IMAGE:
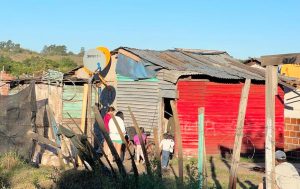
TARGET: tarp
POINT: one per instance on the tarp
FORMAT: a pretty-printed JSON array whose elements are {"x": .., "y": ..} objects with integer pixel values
[
  {"x": 132, "y": 69},
  {"x": 17, "y": 117}
]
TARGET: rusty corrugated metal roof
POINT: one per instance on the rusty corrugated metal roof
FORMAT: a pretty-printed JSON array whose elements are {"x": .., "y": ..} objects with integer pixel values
[{"x": 213, "y": 63}]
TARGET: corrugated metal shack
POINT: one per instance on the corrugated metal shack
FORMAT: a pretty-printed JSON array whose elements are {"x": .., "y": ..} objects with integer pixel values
[{"x": 148, "y": 80}]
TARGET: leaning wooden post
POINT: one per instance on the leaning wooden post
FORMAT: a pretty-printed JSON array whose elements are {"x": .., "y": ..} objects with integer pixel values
[
  {"x": 89, "y": 114},
  {"x": 136, "y": 173},
  {"x": 157, "y": 152},
  {"x": 239, "y": 135},
  {"x": 178, "y": 140},
  {"x": 109, "y": 142},
  {"x": 84, "y": 108},
  {"x": 200, "y": 145},
  {"x": 135, "y": 124},
  {"x": 270, "y": 127}
]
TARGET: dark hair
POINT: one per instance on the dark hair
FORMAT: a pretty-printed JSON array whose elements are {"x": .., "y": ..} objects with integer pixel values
[
  {"x": 142, "y": 129},
  {"x": 111, "y": 109},
  {"x": 165, "y": 135},
  {"x": 120, "y": 114}
]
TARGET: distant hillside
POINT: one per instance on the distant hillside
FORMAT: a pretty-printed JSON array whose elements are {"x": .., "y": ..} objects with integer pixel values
[{"x": 19, "y": 61}]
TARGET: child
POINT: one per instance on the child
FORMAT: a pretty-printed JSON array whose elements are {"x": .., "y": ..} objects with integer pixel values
[
  {"x": 167, "y": 145},
  {"x": 139, "y": 151}
]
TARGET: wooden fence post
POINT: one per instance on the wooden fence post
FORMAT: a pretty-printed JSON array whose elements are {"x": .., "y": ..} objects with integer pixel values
[
  {"x": 178, "y": 140},
  {"x": 270, "y": 127},
  {"x": 201, "y": 145},
  {"x": 239, "y": 134},
  {"x": 157, "y": 151}
]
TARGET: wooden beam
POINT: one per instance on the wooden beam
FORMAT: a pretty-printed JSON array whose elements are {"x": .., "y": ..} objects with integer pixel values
[
  {"x": 270, "y": 129},
  {"x": 136, "y": 173},
  {"x": 239, "y": 135},
  {"x": 109, "y": 142},
  {"x": 279, "y": 59},
  {"x": 129, "y": 54},
  {"x": 137, "y": 129},
  {"x": 178, "y": 140}
]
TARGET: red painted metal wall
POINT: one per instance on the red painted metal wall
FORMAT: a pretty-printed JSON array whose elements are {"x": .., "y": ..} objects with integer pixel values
[{"x": 221, "y": 102}]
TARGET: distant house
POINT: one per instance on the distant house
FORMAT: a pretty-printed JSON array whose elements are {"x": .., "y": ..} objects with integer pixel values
[
  {"x": 147, "y": 80},
  {"x": 5, "y": 79}
]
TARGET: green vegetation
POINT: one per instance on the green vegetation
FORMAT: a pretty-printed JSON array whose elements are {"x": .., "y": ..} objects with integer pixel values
[
  {"x": 16, "y": 173},
  {"x": 17, "y": 60},
  {"x": 35, "y": 65}
]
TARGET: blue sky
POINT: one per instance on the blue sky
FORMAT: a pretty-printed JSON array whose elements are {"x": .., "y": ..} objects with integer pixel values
[{"x": 244, "y": 29}]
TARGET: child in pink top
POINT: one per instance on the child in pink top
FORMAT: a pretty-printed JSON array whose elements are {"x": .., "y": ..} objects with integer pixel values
[{"x": 137, "y": 142}]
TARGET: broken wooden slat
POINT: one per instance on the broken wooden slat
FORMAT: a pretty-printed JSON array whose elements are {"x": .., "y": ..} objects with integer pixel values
[
  {"x": 178, "y": 140},
  {"x": 135, "y": 124},
  {"x": 109, "y": 142},
  {"x": 239, "y": 134}
]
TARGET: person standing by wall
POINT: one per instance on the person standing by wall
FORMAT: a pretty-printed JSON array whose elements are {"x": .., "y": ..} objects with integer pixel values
[
  {"x": 106, "y": 119},
  {"x": 113, "y": 131}
]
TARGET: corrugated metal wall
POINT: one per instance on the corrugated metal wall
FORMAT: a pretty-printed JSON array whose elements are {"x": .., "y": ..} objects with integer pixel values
[
  {"x": 221, "y": 102},
  {"x": 143, "y": 98}
]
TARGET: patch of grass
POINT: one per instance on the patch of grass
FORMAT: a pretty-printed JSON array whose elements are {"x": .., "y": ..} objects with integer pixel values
[{"x": 16, "y": 173}]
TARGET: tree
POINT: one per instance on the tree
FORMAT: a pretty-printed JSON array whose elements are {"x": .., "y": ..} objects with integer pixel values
[{"x": 82, "y": 51}]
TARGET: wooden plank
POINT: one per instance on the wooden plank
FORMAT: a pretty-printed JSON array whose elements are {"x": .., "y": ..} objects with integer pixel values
[
  {"x": 129, "y": 54},
  {"x": 270, "y": 129},
  {"x": 239, "y": 135},
  {"x": 53, "y": 125},
  {"x": 178, "y": 140},
  {"x": 138, "y": 131},
  {"x": 135, "y": 171},
  {"x": 200, "y": 145},
  {"x": 42, "y": 139},
  {"x": 157, "y": 152},
  {"x": 109, "y": 142},
  {"x": 84, "y": 108},
  {"x": 279, "y": 59}
]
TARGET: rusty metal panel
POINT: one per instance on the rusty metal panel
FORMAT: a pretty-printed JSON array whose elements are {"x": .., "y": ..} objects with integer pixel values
[
  {"x": 143, "y": 98},
  {"x": 221, "y": 102}
]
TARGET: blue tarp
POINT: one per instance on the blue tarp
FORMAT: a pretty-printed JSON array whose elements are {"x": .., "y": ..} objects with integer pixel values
[{"x": 133, "y": 69}]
